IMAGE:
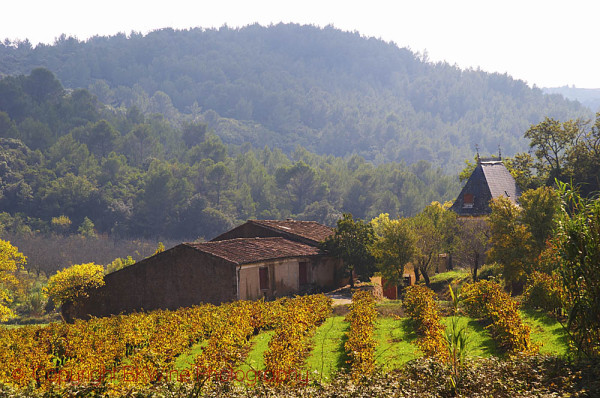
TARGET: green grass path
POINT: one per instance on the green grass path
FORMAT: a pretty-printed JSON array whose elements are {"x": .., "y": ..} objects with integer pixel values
[
  {"x": 255, "y": 359},
  {"x": 328, "y": 354},
  {"x": 479, "y": 341},
  {"x": 546, "y": 332},
  {"x": 396, "y": 342}
]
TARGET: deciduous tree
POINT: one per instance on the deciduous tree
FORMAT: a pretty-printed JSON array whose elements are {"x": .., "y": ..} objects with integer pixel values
[
  {"x": 393, "y": 248},
  {"x": 11, "y": 260},
  {"x": 551, "y": 141},
  {"x": 433, "y": 228},
  {"x": 74, "y": 282},
  {"x": 473, "y": 237},
  {"x": 539, "y": 208},
  {"x": 512, "y": 243},
  {"x": 351, "y": 242}
]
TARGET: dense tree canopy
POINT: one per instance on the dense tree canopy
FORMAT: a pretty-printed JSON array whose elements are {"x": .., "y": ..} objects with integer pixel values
[
  {"x": 519, "y": 234},
  {"x": 121, "y": 173},
  {"x": 74, "y": 282},
  {"x": 566, "y": 151}
]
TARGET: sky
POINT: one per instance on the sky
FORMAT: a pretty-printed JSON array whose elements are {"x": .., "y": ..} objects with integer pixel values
[{"x": 545, "y": 43}]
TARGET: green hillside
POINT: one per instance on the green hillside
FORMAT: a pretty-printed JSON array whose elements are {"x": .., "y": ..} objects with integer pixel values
[{"x": 121, "y": 173}]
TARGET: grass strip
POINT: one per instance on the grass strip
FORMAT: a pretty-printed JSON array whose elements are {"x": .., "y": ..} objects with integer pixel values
[
  {"x": 396, "y": 342},
  {"x": 328, "y": 354}
]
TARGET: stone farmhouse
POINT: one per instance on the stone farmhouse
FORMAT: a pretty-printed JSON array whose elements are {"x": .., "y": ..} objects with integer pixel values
[{"x": 260, "y": 258}]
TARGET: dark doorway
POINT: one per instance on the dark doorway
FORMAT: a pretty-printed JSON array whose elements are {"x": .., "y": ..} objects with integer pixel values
[
  {"x": 303, "y": 273},
  {"x": 263, "y": 273}
]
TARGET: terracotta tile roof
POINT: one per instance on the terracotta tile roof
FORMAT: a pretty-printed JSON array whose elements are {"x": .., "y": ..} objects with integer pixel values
[
  {"x": 310, "y": 230},
  {"x": 252, "y": 250}
]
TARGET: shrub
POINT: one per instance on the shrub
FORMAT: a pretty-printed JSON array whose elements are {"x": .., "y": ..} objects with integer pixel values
[
  {"x": 420, "y": 305},
  {"x": 549, "y": 259},
  {"x": 487, "y": 300},
  {"x": 360, "y": 345},
  {"x": 490, "y": 271},
  {"x": 296, "y": 323},
  {"x": 544, "y": 291},
  {"x": 83, "y": 351},
  {"x": 578, "y": 242},
  {"x": 74, "y": 282},
  {"x": 229, "y": 341}
]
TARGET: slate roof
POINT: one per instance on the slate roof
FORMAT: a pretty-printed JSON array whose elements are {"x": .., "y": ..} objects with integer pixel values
[
  {"x": 252, "y": 250},
  {"x": 490, "y": 180},
  {"x": 500, "y": 181},
  {"x": 308, "y": 232}
]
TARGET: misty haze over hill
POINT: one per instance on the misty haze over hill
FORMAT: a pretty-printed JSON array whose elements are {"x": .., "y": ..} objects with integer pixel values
[
  {"x": 589, "y": 97},
  {"x": 330, "y": 91}
]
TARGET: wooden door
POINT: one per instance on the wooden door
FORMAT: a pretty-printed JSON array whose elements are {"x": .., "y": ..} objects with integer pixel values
[{"x": 303, "y": 273}]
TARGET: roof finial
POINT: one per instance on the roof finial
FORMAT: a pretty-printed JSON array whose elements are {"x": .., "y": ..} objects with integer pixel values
[
  {"x": 477, "y": 149},
  {"x": 499, "y": 152}
]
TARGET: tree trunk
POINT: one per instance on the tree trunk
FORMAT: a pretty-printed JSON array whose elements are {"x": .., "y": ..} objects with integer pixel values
[
  {"x": 417, "y": 276},
  {"x": 352, "y": 278},
  {"x": 475, "y": 266},
  {"x": 425, "y": 276},
  {"x": 400, "y": 278}
]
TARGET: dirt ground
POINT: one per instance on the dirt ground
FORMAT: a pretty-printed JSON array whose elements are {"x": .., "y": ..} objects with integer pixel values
[{"x": 342, "y": 297}]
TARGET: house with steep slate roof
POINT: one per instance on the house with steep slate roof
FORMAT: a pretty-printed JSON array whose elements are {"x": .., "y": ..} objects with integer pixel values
[
  {"x": 490, "y": 180},
  {"x": 261, "y": 258}
]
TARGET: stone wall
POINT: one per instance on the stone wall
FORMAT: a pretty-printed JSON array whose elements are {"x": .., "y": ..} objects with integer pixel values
[{"x": 178, "y": 277}]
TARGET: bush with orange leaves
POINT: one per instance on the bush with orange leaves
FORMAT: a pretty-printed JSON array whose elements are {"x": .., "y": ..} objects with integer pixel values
[
  {"x": 296, "y": 323},
  {"x": 420, "y": 305},
  {"x": 487, "y": 300},
  {"x": 361, "y": 345}
]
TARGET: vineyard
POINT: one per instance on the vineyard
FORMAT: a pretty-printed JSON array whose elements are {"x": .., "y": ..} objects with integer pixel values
[{"x": 281, "y": 345}]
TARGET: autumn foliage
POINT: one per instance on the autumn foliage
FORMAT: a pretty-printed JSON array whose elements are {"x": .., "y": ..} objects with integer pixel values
[
  {"x": 127, "y": 350},
  {"x": 75, "y": 282},
  {"x": 487, "y": 300},
  {"x": 294, "y": 325},
  {"x": 228, "y": 343},
  {"x": 419, "y": 303},
  {"x": 544, "y": 291},
  {"x": 10, "y": 261},
  {"x": 360, "y": 345}
]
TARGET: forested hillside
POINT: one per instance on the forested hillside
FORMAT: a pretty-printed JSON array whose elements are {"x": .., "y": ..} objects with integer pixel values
[
  {"x": 329, "y": 91},
  {"x": 70, "y": 164}
]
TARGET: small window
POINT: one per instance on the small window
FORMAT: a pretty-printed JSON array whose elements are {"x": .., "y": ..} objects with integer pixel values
[
  {"x": 468, "y": 200},
  {"x": 263, "y": 274}
]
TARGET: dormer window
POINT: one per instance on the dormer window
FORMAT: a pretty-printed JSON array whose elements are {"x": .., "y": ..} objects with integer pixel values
[{"x": 468, "y": 200}]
